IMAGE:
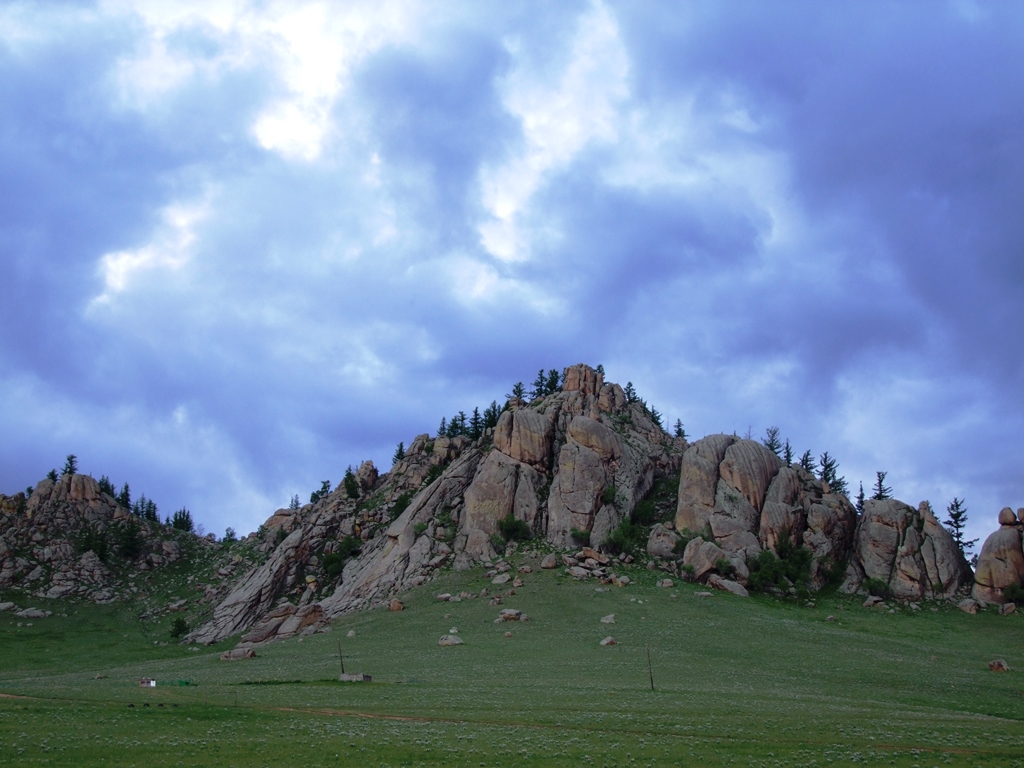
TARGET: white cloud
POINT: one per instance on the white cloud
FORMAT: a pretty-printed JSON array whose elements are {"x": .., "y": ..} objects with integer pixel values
[
  {"x": 171, "y": 248},
  {"x": 558, "y": 120},
  {"x": 310, "y": 46}
]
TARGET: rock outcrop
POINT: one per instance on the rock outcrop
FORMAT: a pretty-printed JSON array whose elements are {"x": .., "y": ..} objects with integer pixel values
[
  {"x": 578, "y": 459},
  {"x": 908, "y": 550},
  {"x": 1001, "y": 561},
  {"x": 739, "y": 495},
  {"x": 54, "y": 541}
]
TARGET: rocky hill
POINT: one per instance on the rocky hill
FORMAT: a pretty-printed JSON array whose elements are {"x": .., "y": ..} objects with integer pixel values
[{"x": 586, "y": 471}]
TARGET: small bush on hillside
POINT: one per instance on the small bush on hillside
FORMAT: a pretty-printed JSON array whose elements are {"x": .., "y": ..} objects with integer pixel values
[
  {"x": 401, "y": 504},
  {"x": 876, "y": 587},
  {"x": 419, "y": 528},
  {"x": 789, "y": 565},
  {"x": 608, "y": 495},
  {"x": 129, "y": 539},
  {"x": 580, "y": 537},
  {"x": 513, "y": 529},
  {"x": 334, "y": 563},
  {"x": 497, "y": 543},
  {"x": 92, "y": 539},
  {"x": 179, "y": 627},
  {"x": 1014, "y": 593},
  {"x": 627, "y": 537},
  {"x": 724, "y": 567}
]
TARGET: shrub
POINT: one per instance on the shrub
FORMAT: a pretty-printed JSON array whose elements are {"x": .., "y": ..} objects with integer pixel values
[
  {"x": 608, "y": 495},
  {"x": 401, "y": 504},
  {"x": 626, "y": 538},
  {"x": 1014, "y": 593},
  {"x": 129, "y": 539},
  {"x": 580, "y": 537},
  {"x": 724, "y": 567},
  {"x": 419, "y": 528},
  {"x": 92, "y": 539},
  {"x": 876, "y": 587},
  {"x": 334, "y": 563},
  {"x": 645, "y": 513},
  {"x": 179, "y": 627},
  {"x": 433, "y": 473},
  {"x": 497, "y": 542},
  {"x": 512, "y": 529},
  {"x": 791, "y": 566}
]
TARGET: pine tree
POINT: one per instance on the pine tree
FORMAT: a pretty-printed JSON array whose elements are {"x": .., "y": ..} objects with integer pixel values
[
  {"x": 630, "y": 392},
  {"x": 771, "y": 441},
  {"x": 518, "y": 392},
  {"x": 124, "y": 498},
  {"x": 957, "y": 523},
  {"x": 678, "y": 429},
  {"x": 829, "y": 473},
  {"x": 807, "y": 462},
  {"x": 553, "y": 384},
  {"x": 182, "y": 521},
  {"x": 600, "y": 370},
  {"x": 476, "y": 425},
  {"x": 325, "y": 490},
  {"x": 860, "y": 500},
  {"x": 106, "y": 486},
  {"x": 491, "y": 415},
  {"x": 52, "y": 475},
  {"x": 399, "y": 453},
  {"x": 882, "y": 491},
  {"x": 443, "y": 429},
  {"x": 351, "y": 484},
  {"x": 71, "y": 465},
  {"x": 655, "y": 416},
  {"x": 293, "y": 505},
  {"x": 539, "y": 385},
  {"x": 787, "y": 453}
]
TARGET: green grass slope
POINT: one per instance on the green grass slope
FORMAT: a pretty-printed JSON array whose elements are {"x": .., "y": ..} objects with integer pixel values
[{"x": 737, "y": 682}]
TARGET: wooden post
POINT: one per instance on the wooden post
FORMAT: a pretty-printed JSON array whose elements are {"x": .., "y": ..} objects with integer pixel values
[
  {"x": 340, "y": 657},
  {"x": 650, "y": 670}
]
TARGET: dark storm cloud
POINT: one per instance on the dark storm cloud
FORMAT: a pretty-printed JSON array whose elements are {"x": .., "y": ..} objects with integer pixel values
[{"x": 761, "y": 214}]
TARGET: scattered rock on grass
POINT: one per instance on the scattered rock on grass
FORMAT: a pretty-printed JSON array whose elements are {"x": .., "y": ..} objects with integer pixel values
[
  {"x": 609, "y": 641},
  {"x": 999, "y": 665},
  {"x": 238, "y": 653},
  {"x": 609, "y": 619},
  {"x": 967, "y": 605},
  {"x": 395, "y": 605},
  {"x": 447, "y": 640}
]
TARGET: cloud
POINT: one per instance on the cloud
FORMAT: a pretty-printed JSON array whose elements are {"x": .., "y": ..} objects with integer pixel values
[{"x": 292, "y": 234}]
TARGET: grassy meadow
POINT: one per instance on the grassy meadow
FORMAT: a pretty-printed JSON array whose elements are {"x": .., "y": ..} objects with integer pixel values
[{"x": 737, "y": 682}]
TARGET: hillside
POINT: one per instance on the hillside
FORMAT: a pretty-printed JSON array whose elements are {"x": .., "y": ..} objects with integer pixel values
[{"x": 583, "y": 472}]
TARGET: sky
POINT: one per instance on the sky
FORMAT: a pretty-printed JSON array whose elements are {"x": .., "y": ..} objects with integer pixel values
[{"x": 245, "y": 245}]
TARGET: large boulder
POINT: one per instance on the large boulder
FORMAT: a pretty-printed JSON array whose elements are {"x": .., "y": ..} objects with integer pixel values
[
  {"x": 908, "y": 550},
  {"x": 525, "y": 435},
  {"x": 662, "y": 542},
  {"x": 1001, "y": 561},
  {"x": 698, "y": 481},
  {"x": 576, "y": 493},
  {"x": 502, "y": 487}
]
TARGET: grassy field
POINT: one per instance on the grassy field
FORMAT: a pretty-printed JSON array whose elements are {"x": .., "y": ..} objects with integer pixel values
[{"x": 737, "y": 682}]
